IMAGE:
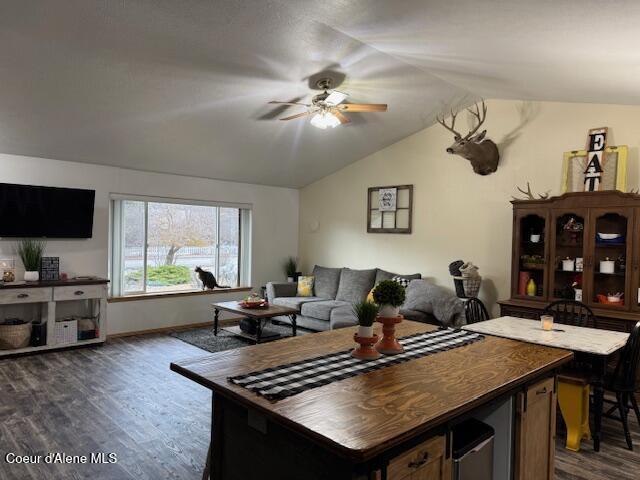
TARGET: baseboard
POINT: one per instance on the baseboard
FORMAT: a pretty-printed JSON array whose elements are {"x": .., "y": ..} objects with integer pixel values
[{"x": 223, "y": 322}]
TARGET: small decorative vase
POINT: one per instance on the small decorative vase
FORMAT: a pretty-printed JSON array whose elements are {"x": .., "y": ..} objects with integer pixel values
[
  {"x": 389, "y": 311},
  {"x": 365, "y": 351},
  {"x": 31, "y": 276},
  {"x": 389, "y": 345},
  {"x": 365, "y": 332}
]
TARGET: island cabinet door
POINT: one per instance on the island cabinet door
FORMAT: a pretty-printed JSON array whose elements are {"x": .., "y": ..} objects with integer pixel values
[
  {"x": 426, "y": 461},
  {"x": 536, "y": 432}
]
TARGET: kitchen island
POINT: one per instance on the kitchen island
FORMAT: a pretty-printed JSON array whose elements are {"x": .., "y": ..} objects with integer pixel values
[{"x": 390, "y": 423}]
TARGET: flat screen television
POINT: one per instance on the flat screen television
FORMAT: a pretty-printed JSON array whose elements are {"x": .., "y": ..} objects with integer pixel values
[{"x": 48, "y": 212}]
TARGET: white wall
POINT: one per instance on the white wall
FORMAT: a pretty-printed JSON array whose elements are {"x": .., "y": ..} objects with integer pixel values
[
  {"x": 274, "y": 230},
  {"x": 457, "y": 214}
]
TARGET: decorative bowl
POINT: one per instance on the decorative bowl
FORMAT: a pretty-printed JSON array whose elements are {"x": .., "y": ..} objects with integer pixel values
[
  {"x": 608, "y": 236},
  {"x": 262, "y": 304}
]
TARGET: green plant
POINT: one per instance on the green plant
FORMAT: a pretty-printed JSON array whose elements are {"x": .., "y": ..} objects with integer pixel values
[
  {"x": 366, "y": 312},
  {"x": 291, "y": 266},
  {"x": 389, "y": 292},
  {"x": 30, "y": 252}
]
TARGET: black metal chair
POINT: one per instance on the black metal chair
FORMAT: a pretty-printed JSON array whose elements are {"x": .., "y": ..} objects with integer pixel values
[
  {"x": 475, "y": 311},
  {"x": 622, "y": 382},
  {"x": 571, "y": 312}
]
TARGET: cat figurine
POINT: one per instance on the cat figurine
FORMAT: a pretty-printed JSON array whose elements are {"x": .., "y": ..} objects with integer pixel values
[{"x": 208, "y": 279}]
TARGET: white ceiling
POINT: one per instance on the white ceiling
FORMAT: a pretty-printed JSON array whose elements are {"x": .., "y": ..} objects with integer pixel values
[{"x": 181, "y": 87}]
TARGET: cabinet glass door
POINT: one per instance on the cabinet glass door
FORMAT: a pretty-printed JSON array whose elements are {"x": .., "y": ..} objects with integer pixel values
[
  {"x": 634, "y": 266},
  {"x": 610, "y": 236},
  {"x": 567, "y": 257},
  {"x": 532, "y": 257}
]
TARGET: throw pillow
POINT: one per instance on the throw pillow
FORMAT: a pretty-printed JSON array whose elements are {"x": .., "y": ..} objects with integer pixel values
[
  {"x": 305, "y": 286},
  {"x": 402, "y": 281},
  {"x": 370, "y": 296}
]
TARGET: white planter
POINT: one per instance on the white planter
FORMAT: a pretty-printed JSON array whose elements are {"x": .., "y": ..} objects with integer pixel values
[
  {"x": 568, "y": 265},
  {"x": 389, "y": 311},
  {"x": 365, "y": 332},
  {"x": 535, "y": 237},
  {"x": 31, "y": 276}
]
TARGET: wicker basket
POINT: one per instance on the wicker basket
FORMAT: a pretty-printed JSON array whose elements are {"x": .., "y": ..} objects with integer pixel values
[
  {"x": 15, "y": 336},
  {"x": 471, "y": 285}
]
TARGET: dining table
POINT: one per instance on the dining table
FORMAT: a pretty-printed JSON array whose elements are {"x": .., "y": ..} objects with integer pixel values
[{"x": 594, "y": 344}]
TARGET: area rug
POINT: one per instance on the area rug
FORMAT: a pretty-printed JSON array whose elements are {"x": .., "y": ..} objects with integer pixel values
[{"x": 205, "y": 339}]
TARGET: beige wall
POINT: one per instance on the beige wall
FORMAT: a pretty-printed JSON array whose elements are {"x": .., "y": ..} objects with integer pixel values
[
  {"x": 457, "y": 214},
  {"x": 274, "y": 227}
]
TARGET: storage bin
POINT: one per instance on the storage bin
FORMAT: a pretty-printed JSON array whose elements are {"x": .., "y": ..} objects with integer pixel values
[
  {"x": 65, "y": 331},
  {"x": 87, "y": 329},
  {"x": 14, "y": 336}
]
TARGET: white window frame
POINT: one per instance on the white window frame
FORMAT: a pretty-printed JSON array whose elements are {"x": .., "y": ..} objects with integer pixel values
[{"x": 116, "y": 240}]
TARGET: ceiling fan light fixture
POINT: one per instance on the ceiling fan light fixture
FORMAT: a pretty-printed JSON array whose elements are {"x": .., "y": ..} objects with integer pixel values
[{"x": 323, "y": 120}]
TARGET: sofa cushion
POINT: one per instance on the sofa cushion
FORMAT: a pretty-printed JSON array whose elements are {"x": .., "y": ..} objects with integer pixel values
[
  {"x": 342, "y": 317},
  {"x": 384, "y": 275},
  {"x": 326, "y": 281},
  {"x": 322, "y": 309},
  {"x": 295, "y": 302},
  {"x": 355, "y": 285}
]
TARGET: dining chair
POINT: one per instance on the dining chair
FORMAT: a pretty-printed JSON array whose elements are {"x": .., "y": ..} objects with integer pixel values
[
  {"x": 571, "y": 312},
  {"x": 475, "y": 311},
  {"x": 622, "y": 381}
]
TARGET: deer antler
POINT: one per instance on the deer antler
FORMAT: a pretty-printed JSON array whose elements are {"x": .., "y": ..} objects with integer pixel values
[
  {"x": 481, "y": 116},
  {"x": 453, "y": 123},
  {"x": 530, "y": 195}
]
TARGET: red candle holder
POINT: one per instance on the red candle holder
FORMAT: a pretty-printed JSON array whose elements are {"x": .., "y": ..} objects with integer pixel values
[
  {"x": 365, "y": 351},
  {"x": 388, "y": 344}
]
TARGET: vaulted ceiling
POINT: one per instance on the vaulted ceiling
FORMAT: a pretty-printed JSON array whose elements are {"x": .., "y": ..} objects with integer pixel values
[{"x": 182, "y": 86}]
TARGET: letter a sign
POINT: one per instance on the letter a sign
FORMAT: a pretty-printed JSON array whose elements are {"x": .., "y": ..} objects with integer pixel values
[{"x": 595, "y": 159}]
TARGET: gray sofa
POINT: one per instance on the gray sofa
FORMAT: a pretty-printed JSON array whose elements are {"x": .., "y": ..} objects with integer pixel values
[{"x": 337, "y": 289}]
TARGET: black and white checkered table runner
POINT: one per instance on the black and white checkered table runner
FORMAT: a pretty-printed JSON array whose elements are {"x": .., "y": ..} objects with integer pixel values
[{"x": 286, "y": 380}]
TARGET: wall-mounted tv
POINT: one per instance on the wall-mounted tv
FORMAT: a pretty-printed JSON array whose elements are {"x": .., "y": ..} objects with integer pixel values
[{"x": 33, "y": 211}]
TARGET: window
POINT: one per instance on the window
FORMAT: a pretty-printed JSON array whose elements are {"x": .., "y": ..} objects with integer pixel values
[{"x": 156, "y": 245}]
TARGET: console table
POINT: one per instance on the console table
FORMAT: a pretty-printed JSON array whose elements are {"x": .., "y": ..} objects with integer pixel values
[{"x": 53, "y": 300}]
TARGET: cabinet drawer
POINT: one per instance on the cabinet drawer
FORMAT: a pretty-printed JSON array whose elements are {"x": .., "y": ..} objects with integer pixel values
[
  {"x": 24, "y": 295},
  {"x": 79, "y": 292},
  {"x": 421, "y": 462}
]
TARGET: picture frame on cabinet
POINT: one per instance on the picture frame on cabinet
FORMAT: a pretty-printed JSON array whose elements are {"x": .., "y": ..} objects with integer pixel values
[{"x": 613, "y": 177}]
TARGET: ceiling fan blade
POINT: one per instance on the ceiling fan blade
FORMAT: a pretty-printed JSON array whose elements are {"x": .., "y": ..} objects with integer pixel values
[
  {"x": 335, "y": 98},
  {"x": 292, "y": 117},
  {"x": 363, "y": 107},
  {"x": 290, "y": 103},
  {"x": 341, "y": 116}
]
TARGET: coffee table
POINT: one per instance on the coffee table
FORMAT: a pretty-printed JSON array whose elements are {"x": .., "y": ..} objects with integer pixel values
[{"x": 262, "y": 316}]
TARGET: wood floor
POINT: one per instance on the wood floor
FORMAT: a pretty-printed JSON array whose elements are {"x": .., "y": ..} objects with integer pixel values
[{"x": 122, "y": 398}]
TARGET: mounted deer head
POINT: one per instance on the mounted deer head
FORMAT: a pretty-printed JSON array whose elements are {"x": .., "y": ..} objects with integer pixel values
[{"x": 482, "y": 153}]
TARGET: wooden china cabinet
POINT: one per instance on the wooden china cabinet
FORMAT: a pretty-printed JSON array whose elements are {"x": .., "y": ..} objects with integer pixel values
[{"x": 597, "y": 234}]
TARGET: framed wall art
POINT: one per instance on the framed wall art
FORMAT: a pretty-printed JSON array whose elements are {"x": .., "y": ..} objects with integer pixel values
[
  {"x": 390, "y": 209},
  {"x": 582, "y": 172}
]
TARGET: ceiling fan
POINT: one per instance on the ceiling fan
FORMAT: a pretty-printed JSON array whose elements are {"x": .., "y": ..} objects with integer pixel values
[{"x": 327, "y": 107}]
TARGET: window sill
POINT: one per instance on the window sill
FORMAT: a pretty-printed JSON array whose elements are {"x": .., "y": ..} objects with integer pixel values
[{"x": 190, "y": 293}]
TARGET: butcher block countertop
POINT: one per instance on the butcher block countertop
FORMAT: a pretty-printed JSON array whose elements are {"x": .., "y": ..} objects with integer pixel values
[{"x": 362, "y": 416}]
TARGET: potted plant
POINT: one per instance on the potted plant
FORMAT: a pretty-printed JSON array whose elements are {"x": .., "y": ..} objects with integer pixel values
[
  {"x": 30, "y": 252},
  {"x": 366, "y": 313},
  {"x": 389, "y": 295},
  {"x": 291, "y": 268}
]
